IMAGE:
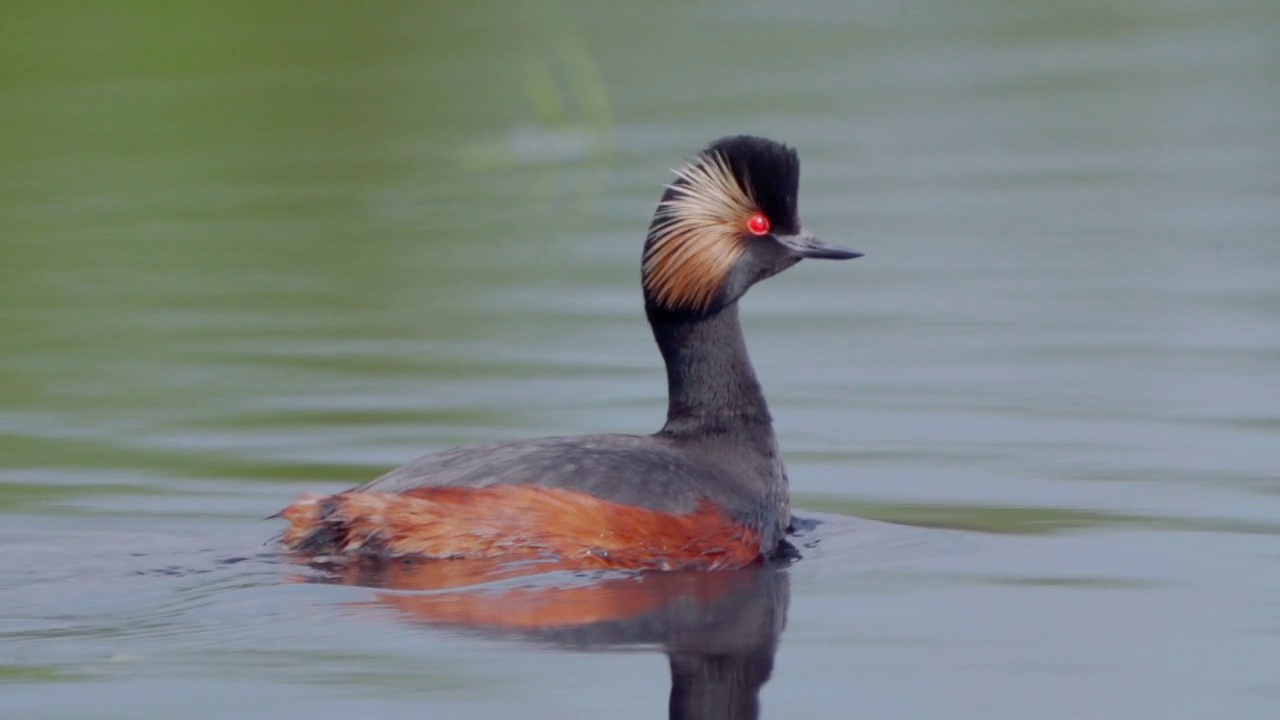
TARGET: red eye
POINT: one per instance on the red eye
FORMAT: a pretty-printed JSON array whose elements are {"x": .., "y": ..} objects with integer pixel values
[{"x": 758, "y": 224}]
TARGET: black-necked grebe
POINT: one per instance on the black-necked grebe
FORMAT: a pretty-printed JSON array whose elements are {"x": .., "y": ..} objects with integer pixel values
[{"x": 707, "y": 491}]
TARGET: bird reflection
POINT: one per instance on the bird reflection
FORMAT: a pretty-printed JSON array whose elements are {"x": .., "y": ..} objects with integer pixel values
[{"x": 720, "y": 630}]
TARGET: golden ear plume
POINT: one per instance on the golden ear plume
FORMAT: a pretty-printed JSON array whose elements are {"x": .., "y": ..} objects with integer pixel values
[{"x": 698, "y": 235}]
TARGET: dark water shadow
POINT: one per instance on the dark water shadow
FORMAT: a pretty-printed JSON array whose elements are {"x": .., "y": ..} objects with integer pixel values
[{"x": 719, "y": 630}]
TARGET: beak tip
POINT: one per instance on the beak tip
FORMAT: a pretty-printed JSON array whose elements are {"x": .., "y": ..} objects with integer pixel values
[
  {"x": 805, "y": 245},
  {"x": 834, "y": 252}
]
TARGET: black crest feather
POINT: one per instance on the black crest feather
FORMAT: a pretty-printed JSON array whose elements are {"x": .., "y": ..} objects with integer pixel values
[{"x": 769, "y": 170}]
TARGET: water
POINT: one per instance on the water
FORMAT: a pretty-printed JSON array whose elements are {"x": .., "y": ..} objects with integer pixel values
[{"x": 247, "y": 252}]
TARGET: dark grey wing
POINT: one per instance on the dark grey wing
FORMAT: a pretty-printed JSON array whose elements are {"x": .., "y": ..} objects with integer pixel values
[{"x": 630, "y": 469}]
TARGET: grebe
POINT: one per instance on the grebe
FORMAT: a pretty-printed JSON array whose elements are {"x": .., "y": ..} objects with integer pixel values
[{"x": 707, "y": 491}]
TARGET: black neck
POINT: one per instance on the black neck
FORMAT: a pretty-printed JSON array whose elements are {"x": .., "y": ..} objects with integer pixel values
[{"x": 711, "y": 386}]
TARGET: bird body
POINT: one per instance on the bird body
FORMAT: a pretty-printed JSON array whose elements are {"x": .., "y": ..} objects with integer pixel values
[{"x": 707, "y": 491}]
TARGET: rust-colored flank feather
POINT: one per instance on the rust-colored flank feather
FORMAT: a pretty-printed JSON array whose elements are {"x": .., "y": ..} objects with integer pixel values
[
  {"x": 570, "y": 529},
  {"x": 698, "y": 235}
]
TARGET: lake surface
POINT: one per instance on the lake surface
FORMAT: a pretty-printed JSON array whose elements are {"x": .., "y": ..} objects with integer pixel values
[{"x": 251, "y": 251}]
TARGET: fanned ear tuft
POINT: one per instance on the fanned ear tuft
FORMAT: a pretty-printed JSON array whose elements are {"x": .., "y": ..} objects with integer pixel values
[{"x": 697, "y": 235}]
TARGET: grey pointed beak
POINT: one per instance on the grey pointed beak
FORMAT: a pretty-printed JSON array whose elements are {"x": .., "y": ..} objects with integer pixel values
[{"x": 807, "y": 246}]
